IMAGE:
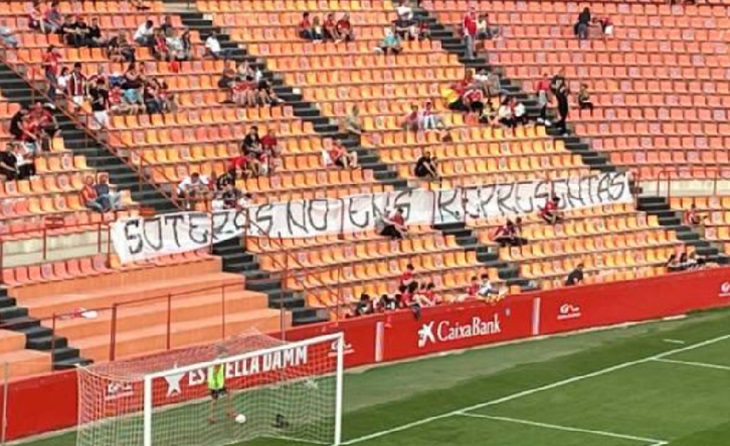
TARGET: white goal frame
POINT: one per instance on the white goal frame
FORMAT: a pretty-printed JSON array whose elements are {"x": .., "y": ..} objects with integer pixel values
[{"x": 336, "y": 339}]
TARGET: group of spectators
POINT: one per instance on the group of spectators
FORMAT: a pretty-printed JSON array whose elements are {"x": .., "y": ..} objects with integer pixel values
[
  {"x": 585, "y": 21},
  {"x": 257, "y": 155},
  {"x": 32, "y": 129},
  {"x": 221, "y": 192},
  {"x": 476, "y": 28},
  {"x": 245, "y": 85},
  {"x": 100, "y": 196},
  {"x": 331, "y": 29}
]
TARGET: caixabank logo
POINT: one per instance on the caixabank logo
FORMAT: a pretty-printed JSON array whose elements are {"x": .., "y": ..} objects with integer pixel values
[
  {"x": 569, "y": 311},
  {"x": 725, "y": 289},
  {"x": 436, "y": 332}
]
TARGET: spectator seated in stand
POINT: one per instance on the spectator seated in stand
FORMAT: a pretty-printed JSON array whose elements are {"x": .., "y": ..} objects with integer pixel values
[
  {"x": 505, "y": 114},
  {"x": 337, "y": 155},
  {"x": 606, "y": 25},
  {"x": 430, "y": 119},
  {"x": 159, "y": 47},
  {"x": 272, "y": 150},
  {"x": 229, "y": 198},
  {"x": 344, "y": 29},
  {"x": 407, "y": 279},
  {"x": 144, "y": 36},
  {"x": 489, "y": 292},
  {"x": 94, "y": 38},
  {"x": 412, "y": 119},
  {"x": 550, "y": 212},
  {"x": 484, "y": 30},
  {"x": 194, "y": 188},
  {"x": 426, "y": 296},
  {"x": 391, "y": 43},
  {"x": 305, "y": 27},
  {"x": 582, "y": 26},
  {"x": 52, "y": 19},
  {"x": 696, "y": 220},
  {"x": 352, "y": 123},
  {"x": 330, "y": 29},
  {"x": 519, "y": 112},
  {"x": 393, "y": 225},
  {"x": 584, "y": 99},
  {"x": 42, "y": 119},
  {"x": 363, "y": 306},
  {"x": 426, "y": 167},
  {"x": 472, "y": 290},
  {"x": 110, "y": 198},
  {"x": 118, "y": 49},
  {"x": 213, "y": 48},
  {"x": 139, "y": 5},
  {"x": 36, "y": 18},
  {"x": 317, "y": 30},
  {"x": 254, "y": 153},
  {"x": 16, "y": 122},
  {"x": 91, "y": 198},
  {"x": 8, "y": 38},
  {"x": 576, "y": 276},
  {"x": 510, "y": 234},
  {"x": 240, "y": 167}
]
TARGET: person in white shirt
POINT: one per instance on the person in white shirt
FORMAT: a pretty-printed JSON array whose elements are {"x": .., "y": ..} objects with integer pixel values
[
  {"x": 505, "y": 114},
  {"x": 7, "y": 35},
  {"x": 145, "y": 33},
  {"x": 213, "y": 47},
  {"x": 404, "y": 10},
  {"x": 520, "y": 113},
  {"x": 194, "y": 187}
]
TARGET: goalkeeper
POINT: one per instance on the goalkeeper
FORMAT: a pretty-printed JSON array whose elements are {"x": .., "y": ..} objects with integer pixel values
[{"x": 218, "y": 390}]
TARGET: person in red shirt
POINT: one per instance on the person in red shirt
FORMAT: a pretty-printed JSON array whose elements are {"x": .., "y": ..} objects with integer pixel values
[
  {"x": 606, "y": 26},
  {"x": 472, "y": 290},
  {"x": 509, "y": 234},
  {"x": 469, "y": 29},
  {"x": 339, "y": 156},
  {"x": 412, "y": 119},
  {"x": 344, "y": 28},
  {"x": 305, "y": 27},
  {"x": 542, "y": 89},
  {"x": 270, "y": 146},
  {"x": 550, "y": 212},
  {"x": 239, "y": 167},
  {"x": 407, "y": 279},
  {"x": 330, "y": 28},
  {"x": 51, "y": 60},
  {"x": 394, "y": 226},
  {"x": 90, "y": 198},
  {"x": 159, "y": 46}
]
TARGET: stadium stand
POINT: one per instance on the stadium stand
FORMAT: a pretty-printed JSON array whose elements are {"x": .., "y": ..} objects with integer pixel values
[{"x": 641, "y": 111}]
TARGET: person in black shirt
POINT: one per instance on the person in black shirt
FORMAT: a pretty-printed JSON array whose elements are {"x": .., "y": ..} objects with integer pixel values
[
  {"x": 560, "y": 90},
  {"x": 252, "y": 150},
  {"x": 576, "y": 276},
  {"x": 16, "y": 123},
  {"x": 99, "y": 104},
  {"x": 230, "y": 196},
  {"x": 8, "y": 163},
  {"x": 70, "y": 32},
  {"x": 426, "y": 167},
  {"x": 82, "y": 30},
  {"x": 580, "y": 28},
  {"x": 223, "y": 181},
  {"x": 93, "y": 38}
]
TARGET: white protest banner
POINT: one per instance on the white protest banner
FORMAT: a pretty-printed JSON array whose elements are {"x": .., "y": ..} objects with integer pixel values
[{"x": 136, "y": 238}]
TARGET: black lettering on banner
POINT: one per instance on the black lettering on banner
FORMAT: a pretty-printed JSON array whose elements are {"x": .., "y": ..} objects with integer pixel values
[
  {"x": 220, "y": 221},
  {"x": 199, "y": 227},
  {"x": 602, "y": 186},
  {"x": 296, "y": 217},
  {"x": 618, "y": 185},
  {"x": 574, "y": 192},
  {"x": 559, "y": 188},
  {"x": 542, "y": 194},
  {"x": 318, "y": 219},
  {"x": 147, "y": 227},
  {"x": 471, "y": 201},
  {"x": 524, "y": 193},
  {"x": 358, "y": 205},
  {"x": 401, "y": 200},
  {"x": 132, "y": 235},
  {"x": 240, "y": 221},
  {"x": 262, "y": 220},
  {"x": 505, "y": 196},
  {"x": 448, "y": 206},
  {"x": 487, "y": 196},
  {"x": 173, "y": 220}
]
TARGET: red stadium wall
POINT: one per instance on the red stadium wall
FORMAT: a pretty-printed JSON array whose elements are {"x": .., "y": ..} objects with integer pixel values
[{"x": 47, "y": 403}]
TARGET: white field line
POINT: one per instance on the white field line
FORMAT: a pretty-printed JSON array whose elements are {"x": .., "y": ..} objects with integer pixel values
[
  {"x": 532, "y": 391},
  {"x": 651, "y": 441},
  {"x": 695, "y": 364}
]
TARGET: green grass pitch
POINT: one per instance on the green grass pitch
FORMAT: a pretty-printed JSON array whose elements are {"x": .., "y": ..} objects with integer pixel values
[{"x": 662, "y": 383}]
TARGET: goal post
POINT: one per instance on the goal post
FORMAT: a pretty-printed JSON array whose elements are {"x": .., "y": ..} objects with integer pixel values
[{"x": 268, "y": 388}]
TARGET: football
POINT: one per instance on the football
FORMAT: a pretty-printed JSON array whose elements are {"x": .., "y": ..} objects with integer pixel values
[{"x": 240, "y": 418}]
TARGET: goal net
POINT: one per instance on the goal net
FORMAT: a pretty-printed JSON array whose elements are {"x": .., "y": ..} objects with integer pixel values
[{"x": 225, "y": 393}]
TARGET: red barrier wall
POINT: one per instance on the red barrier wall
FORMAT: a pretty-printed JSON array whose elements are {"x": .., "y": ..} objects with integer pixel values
[{"x": 47, "y": 403}]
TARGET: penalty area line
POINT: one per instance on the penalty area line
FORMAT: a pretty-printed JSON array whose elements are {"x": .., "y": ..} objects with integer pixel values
[{"x": 651, "y": 441}]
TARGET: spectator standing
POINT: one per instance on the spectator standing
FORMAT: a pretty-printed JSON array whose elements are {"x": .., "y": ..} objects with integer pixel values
[
  {"x": 542, "y": 89},
  {"x": 576, "y": 276},
  {"x": 99, "y": 105},
  {"x": 7, "y": 35},
  {"x": 394, "y": 225},
  {"x": 50, "y": 64},
  {"x": 469, "y": 30},
  {"x": 559, "y": 88},
  {"x": 77, "y": 87}
]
